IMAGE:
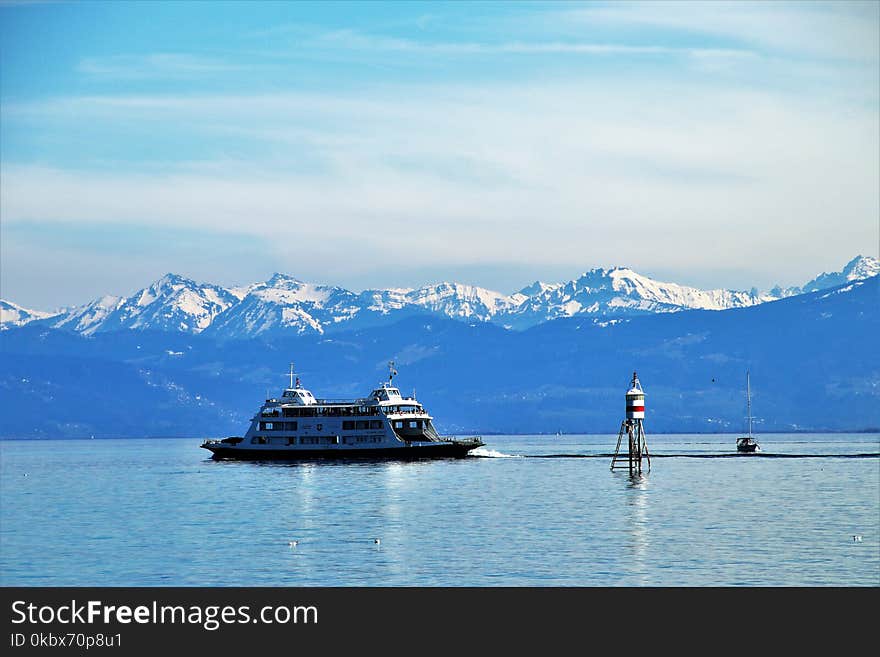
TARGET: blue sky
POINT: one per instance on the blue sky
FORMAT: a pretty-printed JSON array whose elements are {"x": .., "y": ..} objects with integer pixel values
[{"x": 394, "y": 144}]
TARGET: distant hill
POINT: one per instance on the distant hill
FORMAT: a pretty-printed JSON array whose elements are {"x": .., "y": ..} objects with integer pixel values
[
  {"x": 813, "y": 360},
  {"x": 283, "y": 305}
]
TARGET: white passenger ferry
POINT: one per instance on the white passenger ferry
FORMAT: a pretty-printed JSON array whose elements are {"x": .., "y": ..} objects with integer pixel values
[{"x": 301, "y": 426}]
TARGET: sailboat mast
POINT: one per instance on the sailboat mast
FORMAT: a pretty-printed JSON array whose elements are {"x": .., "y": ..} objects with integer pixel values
[{"x": 749, "y": 401}]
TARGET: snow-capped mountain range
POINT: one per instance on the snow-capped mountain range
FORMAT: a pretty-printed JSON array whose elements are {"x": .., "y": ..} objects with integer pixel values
[
  {"x": 285, "y": 304},
  {"x": 12, "y": 314}
]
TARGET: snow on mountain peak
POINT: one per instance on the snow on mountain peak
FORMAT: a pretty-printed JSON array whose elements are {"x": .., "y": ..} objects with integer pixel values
[
  {"x": 858, "y": 268},
  {"x": 460, "y": 300},
  {"x": 861, "y": 267},
  {"x": 284, "y": 303},
  {"x": 537, "y": 287},
  {"x": 172, "y": 303},
  {"x": 88, "y": 318},
  {"x": 290, "y": 290},
  {"x": 11, "y": 314},
  {"x": 167, "y": 284},
  {"x": 620, "y": 291},
  {"x": 280, "y": 280}
]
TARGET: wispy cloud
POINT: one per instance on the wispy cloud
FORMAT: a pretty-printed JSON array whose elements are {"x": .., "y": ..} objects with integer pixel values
[
  {"x": 156, "y": 65},
  {"x": 465, "y": 174},
  {"x": 531, "y": 141},
  {"x": 846, "y": 30},
  {"x": 356, "y": 40}
]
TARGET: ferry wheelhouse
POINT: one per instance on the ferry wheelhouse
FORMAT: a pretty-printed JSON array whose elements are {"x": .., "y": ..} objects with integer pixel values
[{"x": 299, "y": 425}]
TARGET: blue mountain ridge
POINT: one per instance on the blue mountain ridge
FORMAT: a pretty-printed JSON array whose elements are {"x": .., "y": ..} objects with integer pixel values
[{"x": 813, "y": 361}]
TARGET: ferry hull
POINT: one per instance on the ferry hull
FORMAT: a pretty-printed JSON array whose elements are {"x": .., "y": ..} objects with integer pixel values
[{"x": 457, "y": 449}]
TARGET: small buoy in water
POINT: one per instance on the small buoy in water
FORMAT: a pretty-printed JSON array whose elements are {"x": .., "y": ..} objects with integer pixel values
[
  {"x": 857, "y": 538},
  {"x": 377, "y": 541},
  {"x": 25, "y": 474},
  {"x": 293, "y": 543}
]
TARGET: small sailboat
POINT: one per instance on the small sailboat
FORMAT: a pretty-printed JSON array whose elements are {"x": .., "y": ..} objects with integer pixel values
[{"x": 747, "y": 444}]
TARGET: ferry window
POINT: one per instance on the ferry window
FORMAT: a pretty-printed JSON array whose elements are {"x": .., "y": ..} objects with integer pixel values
[
  {"x": 398, "y": 424},
  {"x": 347, "y": 425},
  {"x": 375, "y": 424},
  {"x": 258, "y": 440},
  {"x": 412, "y": 424},
  {"x": 362, "y": 424}
]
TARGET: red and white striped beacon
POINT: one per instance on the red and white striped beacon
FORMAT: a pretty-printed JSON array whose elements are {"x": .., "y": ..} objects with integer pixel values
[
  {"x": 634, "y": 429},
  {"x": 635, "y": 400}
]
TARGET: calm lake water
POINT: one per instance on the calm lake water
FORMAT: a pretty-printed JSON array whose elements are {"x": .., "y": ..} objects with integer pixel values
[{"x": 159, "y": 512}]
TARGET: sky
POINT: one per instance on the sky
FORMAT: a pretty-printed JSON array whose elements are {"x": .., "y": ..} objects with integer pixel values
[{"x": 397, "y": 144}]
